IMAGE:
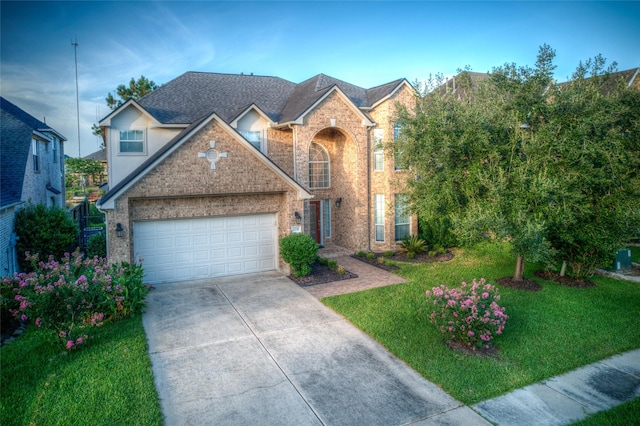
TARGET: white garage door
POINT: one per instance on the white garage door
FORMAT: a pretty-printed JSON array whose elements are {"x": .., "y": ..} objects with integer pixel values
[{"x": 187, "y": 249}]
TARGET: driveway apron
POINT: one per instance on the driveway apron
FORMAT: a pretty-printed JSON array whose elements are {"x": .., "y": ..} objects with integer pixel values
[{"x": 258, "y": 349}]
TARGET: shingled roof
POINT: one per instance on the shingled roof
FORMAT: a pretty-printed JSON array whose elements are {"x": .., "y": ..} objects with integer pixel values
[
  {"x": 193, "y": 95},
  {"x": 16, "y": 129}
]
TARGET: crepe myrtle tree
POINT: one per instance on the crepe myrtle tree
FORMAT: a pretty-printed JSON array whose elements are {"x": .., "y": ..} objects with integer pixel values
[{"x": 496, "y": 162}]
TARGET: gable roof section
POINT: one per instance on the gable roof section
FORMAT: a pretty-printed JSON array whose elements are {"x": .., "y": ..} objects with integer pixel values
[
  {"x": 192, "y": 95},
  {"x": 312, "y": 91},
  {"x": 107, "y": 201},
  {"x": 377, "y": 95},
  {"x": 106, "y": 121},
  {"x": 16, "y": 130},
  {"x": 195, "y": 94}
]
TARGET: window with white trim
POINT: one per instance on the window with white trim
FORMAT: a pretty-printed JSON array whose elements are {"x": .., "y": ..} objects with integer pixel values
[
  {"x": 402, "y": 217},
  {"x": 35, "y": 152},
  {"x": 378, "y": 217},
  {"x": 397, "y": 129},
  {"x": 327, "y": 218},
  {"x": 55, "y": 150},
  {"x": 319, "y": 171},
  {"x": 132, "y": 142},
  {"x": 254, "y": 137},
  {"x": 378, "y": 150}
]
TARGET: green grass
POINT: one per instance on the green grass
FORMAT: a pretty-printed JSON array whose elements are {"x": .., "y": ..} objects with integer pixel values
[
  {"x": 548, "y": 333},
  {"x": 107, "y": 382},
  {"x": 623, "y": 415}
]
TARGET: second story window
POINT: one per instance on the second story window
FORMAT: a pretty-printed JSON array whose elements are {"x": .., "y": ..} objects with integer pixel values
[
  {"x": 255, "y": 137},
  {"x": 396, "y": 134},
  {"x": 319, "y": 172},
  {"x": 131, "y": 141},
  {"x": 378, "y": 149},
  {"x": 55, "y": 150},
  {"x": 35, "y": 148}
]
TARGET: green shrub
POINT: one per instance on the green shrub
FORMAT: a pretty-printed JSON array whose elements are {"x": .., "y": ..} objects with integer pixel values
[
  {"x": 340, "y": 270},
  {"x": 96, "y": 217},
  {"x": 388, "y": 263},
  {"x": 361, "y": 253},
  {"x": 299, "y": 251},
  {"x": 381, "y": 260},
  {"x": 413, "y": 244},
  {"x": 410, "y": 255},
  {"x": 371, "y": 255},
  {"x": 73, "y": 295},
  {"x": 323, "y": 261},
  {"x": 332, "y": 264},
  {"x": 388, "y": 253},
  {"x": 97, "y": 245},
  {"x": 47, "y": 231}
]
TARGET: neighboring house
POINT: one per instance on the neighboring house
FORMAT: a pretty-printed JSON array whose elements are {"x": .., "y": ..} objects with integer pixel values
[
  {"x": 208, "y": 171},
  {"x": 101, "y": 156},
  {"x": 32, "y": 170}
]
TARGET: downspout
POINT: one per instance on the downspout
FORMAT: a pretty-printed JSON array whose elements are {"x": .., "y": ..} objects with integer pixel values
[
  {"x": 369, "y": 187},
  {"x": 295, "y": 144}
]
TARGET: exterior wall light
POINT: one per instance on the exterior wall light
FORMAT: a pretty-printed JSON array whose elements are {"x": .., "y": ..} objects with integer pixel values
[
  {"x": 338, "y": 202},
  {"x": 119, "y": 230},
  {"x": 298, "y": 218}
]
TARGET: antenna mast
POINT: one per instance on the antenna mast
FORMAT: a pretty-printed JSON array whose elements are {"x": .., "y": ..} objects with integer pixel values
[{"x": 75, "y": 55}]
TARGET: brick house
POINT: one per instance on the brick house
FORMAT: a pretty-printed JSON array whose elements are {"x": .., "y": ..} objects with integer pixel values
[
  {"x": 32, "y": 159},
  {"x": 209, "y": 170}
]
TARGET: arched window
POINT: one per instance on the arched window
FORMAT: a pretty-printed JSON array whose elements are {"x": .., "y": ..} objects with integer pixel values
[{"x": 319, "y": 176}]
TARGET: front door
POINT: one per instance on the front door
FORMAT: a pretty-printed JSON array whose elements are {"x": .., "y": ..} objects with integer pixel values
[{"x": 314, "y": 221}]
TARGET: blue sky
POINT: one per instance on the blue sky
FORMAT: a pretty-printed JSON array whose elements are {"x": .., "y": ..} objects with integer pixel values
[{"x": 366, "y": 43}]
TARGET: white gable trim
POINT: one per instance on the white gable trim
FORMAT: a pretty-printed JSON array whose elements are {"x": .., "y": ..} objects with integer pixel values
[
  {"x": 393, "y": 92},
  {"x": 345, "y": 98},
  {"x": 106, "y": 122},
  {"x": 252, "y": 107},
  {"x": 110, "y": 204}
]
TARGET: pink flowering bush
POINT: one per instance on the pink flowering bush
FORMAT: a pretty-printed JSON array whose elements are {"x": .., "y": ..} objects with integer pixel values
[
  {"x": 469, "y": 314},
  {"x": 74, "y": 294}
]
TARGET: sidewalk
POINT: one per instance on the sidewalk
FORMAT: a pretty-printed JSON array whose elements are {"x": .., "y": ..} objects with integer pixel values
[{"x": 570, "y": 397}]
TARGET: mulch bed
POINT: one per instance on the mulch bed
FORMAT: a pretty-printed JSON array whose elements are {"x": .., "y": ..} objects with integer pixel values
[
  {"x": 321, "y": 274},
  {"x": 566, "y": 280},
  {"x": 402, "y": 257},
  {"x": 524, "y": 284}
]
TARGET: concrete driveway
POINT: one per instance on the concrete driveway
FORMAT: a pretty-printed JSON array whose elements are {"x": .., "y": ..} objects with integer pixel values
[{"x": 260, "y": 350}]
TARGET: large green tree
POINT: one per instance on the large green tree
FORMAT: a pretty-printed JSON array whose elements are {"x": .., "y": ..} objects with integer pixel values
[
  {"x": 496, "y": 162},
  {"x": 134, "y": 90}
]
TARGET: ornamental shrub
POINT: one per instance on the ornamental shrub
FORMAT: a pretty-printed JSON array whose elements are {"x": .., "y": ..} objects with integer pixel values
[
  {"x": 299, "y": 251},
  {"x": 97, "y": 245},
  {"x": 44, "y": 230},
  {"x": 75, "y": 294},
  {"x": 469, "y": 314},
  {"x": 413, "y": 245}
]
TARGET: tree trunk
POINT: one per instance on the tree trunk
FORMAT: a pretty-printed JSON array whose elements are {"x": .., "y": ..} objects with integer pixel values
[
  {"x": 563, "y": 269},
  {"x": 518, "y": 275}
]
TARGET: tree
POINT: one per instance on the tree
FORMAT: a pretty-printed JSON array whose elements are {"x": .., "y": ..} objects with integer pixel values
[
  {"x": 598, "y": 120},
  {"x": 135, "y": 90},
  {"x": 44, "y": 231},
  {"x": 84, "y": 167},
  {"x": 496, "y": 163}
]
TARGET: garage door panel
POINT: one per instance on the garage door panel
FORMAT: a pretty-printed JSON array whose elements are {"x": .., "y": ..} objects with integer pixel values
[{"x": 184, "y": 249}]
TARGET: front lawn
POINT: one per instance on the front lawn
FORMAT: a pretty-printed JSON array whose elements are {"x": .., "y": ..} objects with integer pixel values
[
  {"x": 548, "y": 333},
  {"x": 108, "y": 382}
]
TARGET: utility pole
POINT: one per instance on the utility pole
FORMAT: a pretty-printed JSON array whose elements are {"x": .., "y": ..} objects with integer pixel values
[{"x": 75, "y": 55}]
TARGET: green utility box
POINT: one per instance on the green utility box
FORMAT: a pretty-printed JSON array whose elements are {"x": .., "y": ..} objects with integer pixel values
[{"x": 623, "y": 260}]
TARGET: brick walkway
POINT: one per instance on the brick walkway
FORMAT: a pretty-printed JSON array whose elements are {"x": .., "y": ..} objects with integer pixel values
[{"x": 368, "y": 277}]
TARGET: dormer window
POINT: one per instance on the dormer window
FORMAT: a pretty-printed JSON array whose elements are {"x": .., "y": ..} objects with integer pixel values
[{"x": 254, "y": 137}]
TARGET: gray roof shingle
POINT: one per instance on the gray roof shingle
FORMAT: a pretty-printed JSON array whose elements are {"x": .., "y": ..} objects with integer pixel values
[{"x": 194, "y": 94}]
